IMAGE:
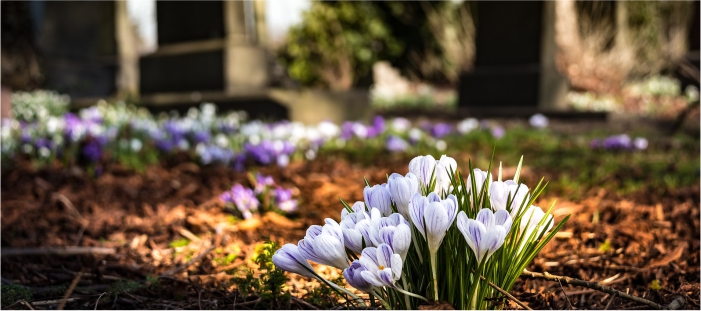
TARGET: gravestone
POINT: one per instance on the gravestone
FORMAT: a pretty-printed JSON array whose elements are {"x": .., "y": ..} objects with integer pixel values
[
  {"x": 204, "y": 46},
  {"x": 513, "y": 71},
  {"x": 78, "y": 55}
]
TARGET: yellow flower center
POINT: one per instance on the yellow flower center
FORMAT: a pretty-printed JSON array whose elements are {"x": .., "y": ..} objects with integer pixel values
[{"x": 382, "y": 267}]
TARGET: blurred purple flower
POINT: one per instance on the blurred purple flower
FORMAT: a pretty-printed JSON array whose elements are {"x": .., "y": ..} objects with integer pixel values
[
  {"x": 538, "y": 121},
  {"x": 284, "y": 201},
  {"x": 439, "y": 130},
  {"x": 263, "y": 182},
  {"x": 498, "y": 132},
  {"x": 92, "y": 151},
  {"x": 243, "y": 198},
  {"x": 396, "y": 144},
  {"x": 640, "y": 143}
]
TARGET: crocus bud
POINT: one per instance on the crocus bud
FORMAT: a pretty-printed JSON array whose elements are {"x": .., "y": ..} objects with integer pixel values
[
  {"x": 402, "y": 189},
  {"x": 289, "y": 259},
  {"x": 378, "y": 196},
  {"x": 422, "y": 167},
  {"x": 444, "y": 167},
  {"x": 353, "y": 276},
  {"x": 499, "y": 193},
  {"x": 480, "y": 178}
]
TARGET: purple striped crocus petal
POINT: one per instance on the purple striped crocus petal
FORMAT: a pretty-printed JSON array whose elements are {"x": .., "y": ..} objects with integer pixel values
[
  {"x": 433, "y": 197},
  {"x": 416, "y": 211},
  {"x": 502, "y": 218},
  {"x": 353, "y": 240},
  {"x": 493, "y": 240},
  {"x": 396, "y": 266},
  {"x": 353, "y": 276},
  {"x": 436, "y": 225},
  {"x": 451, "y": 207},
  {"x": 372, "y": 278},
  {"x": 422, "y": 167},
  {"x": 314, "y": 231},
  {"x": 331, "y": 250},
  {"x": 385, "y": 275},
  {"x": 368, "y": 259},
  {"x": 288, "y": 258},
  {"x": 486, "y": 217},
  {"x": 384, "y": 255}
]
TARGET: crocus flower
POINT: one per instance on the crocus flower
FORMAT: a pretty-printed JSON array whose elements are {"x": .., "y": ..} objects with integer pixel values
[
  {"x": 263, "y": 182},
  {"x": 467, "y": 125},
  {"x": 399, "y": 237},
  {"x": 531, "y": 218},
  {"x": 486, "y": 234},
  {"x": 440, "y": 130},
  {"x": 480, "y": 178},
  {"x": 284, "y": 201},
  {"x": 423, "y": 168},
  {"x": 415, "y": 135},
  {"x": 538, "y": 121},
  {"x": 378, "y": 196},
  {"x": 402, "y": 189},
  {"x": 640, "y": 143},
  {"x": 354, "y": 277},
  {"x": 324, "y": 245},
  {"x": 400, "y": 125},
  {"x": 382, "y": 266},
  {"x": 396, "y": 144},
  {"x": 501, "y": 191},
  {"x": 288, "y": 258},
  {"x": 498, "y": 132},
  {"x": 244, "y": 200},
  {"x": 432, "y": 217},
  {"x": 352, "y": 236}
]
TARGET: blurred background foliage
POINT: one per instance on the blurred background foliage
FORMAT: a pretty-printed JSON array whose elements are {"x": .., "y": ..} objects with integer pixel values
[
  {"x": 337, "y": 43},
  {"x": 607, "y": 44}
]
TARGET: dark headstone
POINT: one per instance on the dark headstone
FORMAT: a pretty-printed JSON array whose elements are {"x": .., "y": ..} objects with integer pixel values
[
  {"x": 507, "y": 61},
  {"x": 183, "y": 21},
  {"x": 79, "y": 54},
  {"x": 182, "y": 73}
]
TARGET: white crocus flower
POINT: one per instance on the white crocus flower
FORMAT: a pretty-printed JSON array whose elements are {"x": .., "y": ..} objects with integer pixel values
[
  {"x": 531, "y": 218},
  {"x": 378, "y": 196},
  {"x": 486, "y": 234},
  {"x": 401, "y": 190},
  {"x": 501, "y": 191},
  {"x": 382, "y": 266},
  {"x": 426, "y": 166},
  {"x": 324, "y": 245},
  {"x": 480, "y": 178},
  {"x": 432, "y": 217}
]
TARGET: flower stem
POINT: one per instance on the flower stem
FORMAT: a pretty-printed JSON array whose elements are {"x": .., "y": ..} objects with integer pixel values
[
  {"x": 473, "y": 301},
  {"x": 406, "y": 297},
  {"x": 434, "y": 271},
  {"x": 382, "y": 301},
  {"x": 410, "y": 294}
]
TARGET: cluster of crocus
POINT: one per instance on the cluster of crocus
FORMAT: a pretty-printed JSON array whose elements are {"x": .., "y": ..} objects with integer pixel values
[
  {"x": 620, "y": 142},
  {"x": 477, "y": 230},
  {"x": 265, "y": 196}
]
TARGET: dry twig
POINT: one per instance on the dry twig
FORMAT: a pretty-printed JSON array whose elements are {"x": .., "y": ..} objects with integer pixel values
[
  {"x": 505, "y": 293},
  {"x": 70, "y": 290},
  {"x": 676, "y": 304},
  {"x": 60, "y": 251}
]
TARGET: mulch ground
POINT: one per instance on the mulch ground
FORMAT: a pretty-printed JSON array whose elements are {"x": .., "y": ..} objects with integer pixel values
[{"x": 646, "y": 246}]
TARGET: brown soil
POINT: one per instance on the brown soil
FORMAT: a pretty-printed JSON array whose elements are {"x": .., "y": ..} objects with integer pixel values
[{"x": 140, "y": 214}]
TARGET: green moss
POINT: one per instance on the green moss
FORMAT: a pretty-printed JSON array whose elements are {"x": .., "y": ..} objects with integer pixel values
[
  {"x": 14, "y": 293},
  {"x": 179, "y": 243}
]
